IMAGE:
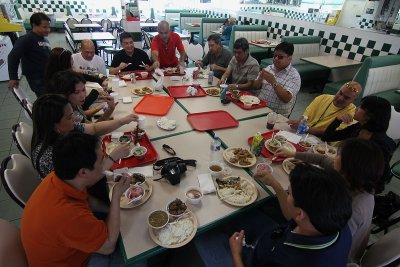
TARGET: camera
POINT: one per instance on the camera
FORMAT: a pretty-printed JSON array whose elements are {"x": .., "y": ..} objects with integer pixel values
[{"x": 172, "y": 168}]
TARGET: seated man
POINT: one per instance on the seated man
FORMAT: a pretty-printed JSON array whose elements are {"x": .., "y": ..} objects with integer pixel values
[
  {"x": 129, "y": 58},
  {"x": 242, "y": 69},
  {"x": 280, "y": 82},
  {"x": 324, "y": 109},
  {"x": 58, "y": 228},
  {"x": 86, "y": 61},
  {"x": 227, "y": 30},
  {"x": 164, "y": 45},
  {"x": 317, "y": 205},
  {"x": 217, "y": 57}
]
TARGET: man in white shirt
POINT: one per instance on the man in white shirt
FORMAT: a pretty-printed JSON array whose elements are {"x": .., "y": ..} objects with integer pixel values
[{"x": 86, "y": 61}]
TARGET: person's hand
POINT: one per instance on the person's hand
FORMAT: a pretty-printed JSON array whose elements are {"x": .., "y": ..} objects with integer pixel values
[
  {"x": 235, "y": 243},
  {"x": 232, "y": 87},
  {"x": 122, "y": 65},
  {"x": 110, "y": 102},
  {"x": 121, "y": 151},
  {"x": 265, "y": 177},
  {"x": 268, "y": 76},
  {"x": 13, "y": 84},
  {"x": 294, "y": 124},
  {"x": 120, "y": 187},
  {"x": 346, "y": 118},
  {"x": 156, "y": 64},
  {"x": 148, "y": 68},
  {"x": 129, "y": 118},
  {"x": 284, "y": 152},
  {"x": 104, "y": 83},
  {"x": 219, "y": 82},
  {"x": 99, "y": 107},
  {"x": 214, "y": 67},
  {"x": 198, "y": 64}
]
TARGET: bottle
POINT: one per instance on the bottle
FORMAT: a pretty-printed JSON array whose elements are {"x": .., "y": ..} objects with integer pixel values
[
  {"x": 210, "y": 77},
  {"x": 215, "y": 148},
  {"x": 303, "y": 126},
  {"x": 133, "y": 78}
]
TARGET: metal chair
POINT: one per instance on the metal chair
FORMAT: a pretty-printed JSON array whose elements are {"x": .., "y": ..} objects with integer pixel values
[
  {"x": 106, "y": 24},
  {"x": 86, "y": 21},
  {"x": 22, "y": 136},
  {"x": 71, "y": 23},
  {"x": 11, "y": 250},
  {"x": 19, "y": 178},
  {"x": 113, "y": 49},
  {"x": 146, "y": 38},
  {"x": 24, "y": 101}
]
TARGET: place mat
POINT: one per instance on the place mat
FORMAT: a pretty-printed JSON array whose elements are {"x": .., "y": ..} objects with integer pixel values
[
  {"x": 156, "y": 105},
  {"x": 241, "y": 104},
  {"x": 212, "y": 120},
  {"x": 180, "y": 91}
]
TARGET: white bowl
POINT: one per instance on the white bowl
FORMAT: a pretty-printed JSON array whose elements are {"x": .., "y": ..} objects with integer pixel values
[
  {"x": 144, "y": 74},
  {"x": 194, "y": 194},
  {"x": 174, "y": 215},
  {"x": 161, "y": 225},
  {"x": 136, "y": 149},
  {"x": 136, "y": 199}
]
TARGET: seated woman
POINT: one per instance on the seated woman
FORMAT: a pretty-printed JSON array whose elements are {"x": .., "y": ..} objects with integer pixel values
[
  {"x": 52, "y": 118},
  {"x": 226, "y": 33},
  {"x": 373, "y": 116},
  {"x": 361, "y": 163},
  {"x": 72, "y": 85}
]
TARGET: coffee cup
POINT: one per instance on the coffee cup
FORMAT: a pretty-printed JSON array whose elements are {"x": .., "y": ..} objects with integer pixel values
[
  {"x": 271, "y": 120},
  {"x": 216, "y": 169}
]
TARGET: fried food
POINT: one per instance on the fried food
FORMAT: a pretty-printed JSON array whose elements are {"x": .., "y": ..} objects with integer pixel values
[
  {"x": 213, "y": 91},
  {"x": 143, "y": 91}
]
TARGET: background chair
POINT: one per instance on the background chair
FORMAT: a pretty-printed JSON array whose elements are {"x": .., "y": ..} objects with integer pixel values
[
  {"x": 147, "y": 41},
  {"x": 22, "y": 136},
  {"x": 19, "y": 178},
  {"x": 86, "y": 21},
  {"x": 71, "y": 23},
  {"x": 106, "y": 24},
  {"x": 24, "y": 101},
  {"x": 11, "y": 250},
  {"x": 113, "y": 49}
]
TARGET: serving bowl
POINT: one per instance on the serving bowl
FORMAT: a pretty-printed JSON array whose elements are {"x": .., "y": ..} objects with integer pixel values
[
  {"x": 157, "y": 219},
  {"x": 176, "y": 208},
  {"x": 139, "y": 152},
  {"x": 194, "y": 195}
]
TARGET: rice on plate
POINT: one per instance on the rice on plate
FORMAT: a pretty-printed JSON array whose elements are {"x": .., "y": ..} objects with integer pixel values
[
  {"x": 238, "y": 196},
  {"x": 175, "y": 233}
]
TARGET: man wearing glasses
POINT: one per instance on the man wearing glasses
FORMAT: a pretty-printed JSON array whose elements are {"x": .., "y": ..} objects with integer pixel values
[
  {"x": 325, "y": 108},
  {"x": 280, "y": 82}
]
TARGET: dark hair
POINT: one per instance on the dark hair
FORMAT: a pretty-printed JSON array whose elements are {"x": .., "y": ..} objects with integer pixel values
[
  {"x": 123, "y": 36},
  {"x": 37, "y": 18},
  {"x": 241, "y": 43},
  {"x": 46, "y": 112},
  {"x": 215, "y": 37},
  {"x": 285, "y": 47},
  {"x": 323, "y": 195},
  {"x": 73, "y": 152},
  {"x": 378, "y": 111},
  {"x": 59, "y": 59},
  {"x": 64, "y": 82},
  {"x": 362, "y": 164}
]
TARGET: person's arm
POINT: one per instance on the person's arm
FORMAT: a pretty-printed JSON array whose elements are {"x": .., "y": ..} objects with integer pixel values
[
  {"x": 182, "y": 57},
  {"x": 235, "y": 243},
  {"x": 249, "y": 85},
  {"x": 317, "y": 159},
  {"x": 225, "y": 76},
  {"x": 105, "y": 127},
  {"x": 331, "y": 133},
  {"x": 116, "y": 70},
  {"x": 102, "y": 66},
  {"x": 283, "y": 94},
  {"x": 14, "y": 58}
]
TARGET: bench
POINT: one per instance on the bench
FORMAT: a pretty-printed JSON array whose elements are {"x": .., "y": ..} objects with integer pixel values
[
  {"x": 173, "y": 13},
  {"x": 379, "y": 75},
  {"x": 304, "y": 46},
  {"x": 206, "y": 26},
  {"x": 189, "y": 18}
]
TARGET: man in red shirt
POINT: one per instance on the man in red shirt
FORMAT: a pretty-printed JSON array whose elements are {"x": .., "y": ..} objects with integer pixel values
[{"x": 164, "y": 45}]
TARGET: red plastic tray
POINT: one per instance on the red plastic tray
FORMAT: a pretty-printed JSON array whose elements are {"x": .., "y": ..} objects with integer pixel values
[
  {"x": 195, "y": 25},
  {"x": 173, "y": 74},
  {"x": 212, "y": 120},
  {"x": 138, "y": 76},
  {"x": 265, "y": 152},
  {"x": 156, "y": 105},
  {"x": 130, "y": 162},
  {"x": 180, "y": 91},
  {"x": 241, "y": 105}
]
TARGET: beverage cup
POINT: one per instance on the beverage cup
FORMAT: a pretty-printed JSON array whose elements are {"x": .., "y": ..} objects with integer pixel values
[
  {"x": 264, "y": 167},
  {"x": 223, "y": 87},
  {"x": 271, "y": 120},
  {"x": 216, "y": 169},
  {"x": 114, "y": 83},
  {"x": 141, "y": 121}
]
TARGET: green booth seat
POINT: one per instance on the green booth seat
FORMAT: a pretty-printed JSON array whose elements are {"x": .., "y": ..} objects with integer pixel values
[
  {"x": 207, "y": 25},
  {"x": 390, "y": 95},
  {"x": 173, "y": 13},
  {"x": 185, "y": 17}
]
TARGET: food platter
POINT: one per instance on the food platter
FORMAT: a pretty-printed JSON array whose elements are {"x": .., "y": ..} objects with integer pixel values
[
  {"x": 238, "y": 194},
  {"x": 321, "y": 149},
  {"x": 289, "y": 164},
  {"x": 249, "y": 99},
  {"x": 213, "y": 91},
  {"x": 148, "y": 189},
  {"x": 166, "y": 124},
  {"x": 171, "y": 227},
  {"x": 242, "y": 154},
  {"x": 112, "y": 145},
  {"x": 288, "y": 145},
  {"x": 145, "y": 90}
]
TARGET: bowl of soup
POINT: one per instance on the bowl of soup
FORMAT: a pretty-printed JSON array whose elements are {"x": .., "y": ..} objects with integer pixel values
[
  {"x": 194, "y": 195},
  {"x": 157, "y": 219},
  {"x": 139, "y": 152}
]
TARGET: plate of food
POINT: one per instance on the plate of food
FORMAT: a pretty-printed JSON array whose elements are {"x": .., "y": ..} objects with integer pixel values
[
  {"x": 112, "y": 145},
  {"x": 273, "y": 144},
  {"x": 239, "y": 157},
  {"x": 124, "y": 201},
  {"x": 126, "y": 77},
  {"x": 213, "y": 91},
  {"x": 166, "y": 124},
  {"x": 172, "y": 70},
  {"x": 324, "y": 149},
  {"x": 253, "y": 100},
  {"x": 177, "y": 233},
  {"x": 236, "y": 190},
  {"x": 145, "y": 90},
  {"x": 289, "y": 164}
]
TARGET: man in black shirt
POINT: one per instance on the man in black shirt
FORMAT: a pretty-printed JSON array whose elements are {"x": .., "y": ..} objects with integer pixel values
[
  {"x": 32, "y": 50},
  {"x": 129, "y": 58}
]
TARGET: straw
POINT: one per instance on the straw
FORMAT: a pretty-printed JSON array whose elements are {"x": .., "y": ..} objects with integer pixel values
[{"x": 326, "y": 147}]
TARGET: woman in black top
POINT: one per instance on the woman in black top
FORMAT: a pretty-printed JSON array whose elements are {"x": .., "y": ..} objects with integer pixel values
[{"x": 373, "y": 116}]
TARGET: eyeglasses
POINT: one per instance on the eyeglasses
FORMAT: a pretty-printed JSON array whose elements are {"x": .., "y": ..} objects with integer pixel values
[
  {"x": 352, "y": 87},
  {"x": 279, "y": 56}
]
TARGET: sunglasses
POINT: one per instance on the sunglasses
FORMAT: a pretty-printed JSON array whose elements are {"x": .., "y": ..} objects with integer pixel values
[{"x": 352, "y": 87}]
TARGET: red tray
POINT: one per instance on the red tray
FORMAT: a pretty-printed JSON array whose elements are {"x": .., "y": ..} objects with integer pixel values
[
  {"x": 130, "y": 162},
  {"x": 195, "y": 25},
  {"x": 265, "y": 152},
  {"x": 212, "y": 120},
  {"x": 138, "y": 76},
  {"x": 241, "y": 105},
  {"x": 173, "y": 74},
  {"x": 156, "y": 105},
  {"x": 180, "y": 91}
]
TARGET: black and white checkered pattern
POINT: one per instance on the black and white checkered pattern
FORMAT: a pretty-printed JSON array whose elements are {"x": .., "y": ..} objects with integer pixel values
[
  {"x": 366, "y": 23},
  {"x": 57, "y": 6}
]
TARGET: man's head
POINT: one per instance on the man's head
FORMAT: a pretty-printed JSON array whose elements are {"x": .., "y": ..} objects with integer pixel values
[
  {"x": 163, "y": 31},
  {"x": 319, "y": 197},
  {"x": 241, "y": 49},
  {"x": 283, "y": 55},
  {"x": 126, "y": 41},
  {"x": 232, "y": 20},
  {"x": 347, "y": 94},
  {"x": 214, "y": 43},
  {"x": 87, "y": 49},
  {"x": 78, "y": 155},
  {"x": 40, "y": 23}
]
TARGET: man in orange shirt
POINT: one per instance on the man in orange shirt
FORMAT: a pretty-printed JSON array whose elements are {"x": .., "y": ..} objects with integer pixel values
[
  {"x": 58, "y": 227},
  {"x": 163, "y": 48}
]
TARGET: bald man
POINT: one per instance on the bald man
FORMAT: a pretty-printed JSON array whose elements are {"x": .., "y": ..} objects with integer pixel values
[
  {"x": 86, "y": 61},
  {"x": 164, "y": 45}
]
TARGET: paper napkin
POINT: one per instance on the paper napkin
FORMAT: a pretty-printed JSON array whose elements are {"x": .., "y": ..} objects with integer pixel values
[{"x": 206, "y": 183}]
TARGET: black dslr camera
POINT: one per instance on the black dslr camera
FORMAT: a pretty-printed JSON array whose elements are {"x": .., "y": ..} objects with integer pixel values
[{"x": 172, "y": 168}]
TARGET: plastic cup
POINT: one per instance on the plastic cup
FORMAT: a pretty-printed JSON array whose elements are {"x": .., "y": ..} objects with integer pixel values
[
  {"x": 271, "y": 120},
  {"x": 264, "y": 167},
  {"x": 141, "y": 121}
]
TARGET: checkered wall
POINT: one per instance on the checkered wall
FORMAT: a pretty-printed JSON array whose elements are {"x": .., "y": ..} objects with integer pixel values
[
  {"x": 57, "y": 6},
  {"x": 288, "y": 13},
  {"x": 366, "y": 23}
]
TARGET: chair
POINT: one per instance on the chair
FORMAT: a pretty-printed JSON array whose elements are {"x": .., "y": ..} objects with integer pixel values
[
  {"x": 146, "y": 38},
  {"x": 71, "y": 23},
  {"x": 86, "y": 21},
  {"x": 24, "y": 101},
  {"x": 106, "y": 24},
  {"x": 22, "y": 136},
  {"x": 385, "y": 252},
  {"x": 19, "y": 178},
  {"x": 27, "y": 105},
  {"x": 113, "y": 49},
  {"x": 394, "y": 125},
  {"x": 195, "y": 52},
  {"x": 122, "y": 25},
  {"x": 11, "y": 250}
]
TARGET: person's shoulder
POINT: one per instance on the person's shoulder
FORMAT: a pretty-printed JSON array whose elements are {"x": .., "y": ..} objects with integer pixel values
[
  {"x": 226, "y": 52},
  {"x": 253, "y": 61}
]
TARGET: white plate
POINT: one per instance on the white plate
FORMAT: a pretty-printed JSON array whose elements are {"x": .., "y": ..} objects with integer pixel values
[
  {"x": 123, "y": 203},
  {"x": 228, "y": 153},
  {"x": 249, "y": 99},
  {"x": 111, "y": 146},
  {"x": 208, "y": 91},
  {"x": 248, "y": 188},
  {"x": 286, "y": 165},
  {"x": 288, "y": 145},
  {"x": 164, "y": 127},
  {"x": 315, "y": 149}
]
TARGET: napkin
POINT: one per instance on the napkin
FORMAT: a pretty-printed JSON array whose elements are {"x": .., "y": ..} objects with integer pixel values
[
  {"x": 206, "y": 183},
  {"x": 122, "y": 83},
  {"x": 191, "y": 91},
  {"x": 291, "y": 137},
  {"x": 93, "y": 85},
  {"x": 146, "y": 170},
  {"x": 126, "y": 99}
]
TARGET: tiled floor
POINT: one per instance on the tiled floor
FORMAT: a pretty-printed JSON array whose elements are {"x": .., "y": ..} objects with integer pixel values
[{"x": 11, "y": 113}]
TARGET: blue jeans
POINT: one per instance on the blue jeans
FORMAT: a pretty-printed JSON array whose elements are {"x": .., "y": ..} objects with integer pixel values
[{"x": 36, "y": 86}]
